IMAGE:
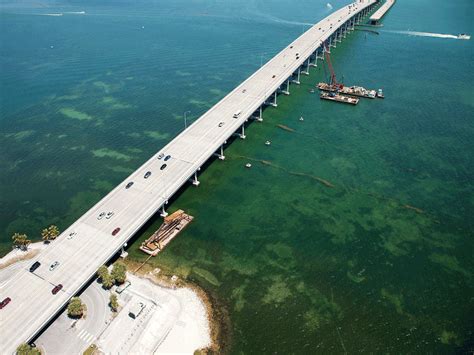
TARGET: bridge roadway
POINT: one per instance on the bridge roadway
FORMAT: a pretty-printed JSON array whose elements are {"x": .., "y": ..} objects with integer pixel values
[
  {"x": 377, "y": 15},
  {"x": 32, "y": 303}
]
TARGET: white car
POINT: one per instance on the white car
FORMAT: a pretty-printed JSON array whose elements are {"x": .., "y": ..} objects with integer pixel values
[
  {"x": 71, "y": 235},
  {"x": 109, "y": 215},
  {"x": 101, "y": 215},
  {"x": 54, "y": 266}
]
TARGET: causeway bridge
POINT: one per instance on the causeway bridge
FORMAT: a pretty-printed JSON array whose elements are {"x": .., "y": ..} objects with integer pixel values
[
  {"x": 97, "y": 236},
  {"x": 382, "y": 10}
]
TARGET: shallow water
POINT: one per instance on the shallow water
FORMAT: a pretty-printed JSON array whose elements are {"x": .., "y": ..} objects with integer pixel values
[{"x": 352, "y": 231}]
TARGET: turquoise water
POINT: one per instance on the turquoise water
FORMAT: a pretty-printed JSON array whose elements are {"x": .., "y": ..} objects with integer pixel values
[{"x": 379, "y": 262}]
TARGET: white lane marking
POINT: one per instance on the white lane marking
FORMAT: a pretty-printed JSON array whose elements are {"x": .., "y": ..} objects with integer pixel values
[{"x": 81, "y": 333}]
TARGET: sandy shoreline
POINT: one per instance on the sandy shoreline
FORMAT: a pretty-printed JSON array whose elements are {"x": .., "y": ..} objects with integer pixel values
[
  {"x": 17, "y": 255},
  {"x": 215, "y": 323},
  {"x": 195, "y": 300}
]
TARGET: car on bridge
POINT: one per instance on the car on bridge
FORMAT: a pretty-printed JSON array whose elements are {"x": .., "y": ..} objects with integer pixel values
[
  {"x": 147, "y": 174},
  {"x": 35, "y": 265},
  {"x": 56, "y": 289},
  {"x": 115, "y": 231},
  {"x": 53, "y": 265},
  {"x": 109, "y": 214},
  {"x": 101, "y": 215},
  {"x": 163, "y": 167},
  {"x": 168, "y": 157},
  {"x": 129, "y": 185},
  {"x": 71, "y": 235},
  {"x": 5, "y": 302}
]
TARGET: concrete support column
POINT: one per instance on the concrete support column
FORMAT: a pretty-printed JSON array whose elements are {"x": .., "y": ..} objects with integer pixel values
[
  {"x": 297, "y": 81},
  {"x": 194, "y": 180},
  {"x": 242, "y": 134},
  {"x": 287, "y": 90},
  {"x": 163, "y": 213},
  {"x": 220, "y": 155},
  {"x": 306, "y": 71},
  {"x": 315, "y": 64}
]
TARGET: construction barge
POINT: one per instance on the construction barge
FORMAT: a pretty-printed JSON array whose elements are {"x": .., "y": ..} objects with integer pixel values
[
  {"x": 172, "y": 225},
  {"x": 358, "y": 91},
  {"x": 332, "y": 96}
]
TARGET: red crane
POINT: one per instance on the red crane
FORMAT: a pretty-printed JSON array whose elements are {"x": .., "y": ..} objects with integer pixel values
[{"x": 333, "y": 82}]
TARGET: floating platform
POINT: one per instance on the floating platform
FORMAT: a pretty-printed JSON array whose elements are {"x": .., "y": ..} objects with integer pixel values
[
  {"x": 358, "y": 91},
  {"x": 339, "y": 98},
  {"x": 172, "y": 225}
]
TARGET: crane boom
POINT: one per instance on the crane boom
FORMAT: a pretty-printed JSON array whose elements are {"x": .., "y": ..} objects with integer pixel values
[{"x": 333, "y": 81}]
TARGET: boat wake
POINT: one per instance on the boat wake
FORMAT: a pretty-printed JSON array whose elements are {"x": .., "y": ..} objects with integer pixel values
[
  {"x": 75, "y": 12},
  {"x": 287, "y": 22},
  {"x": 60, "y": 14},
  {"x": 429, "y": 34}
]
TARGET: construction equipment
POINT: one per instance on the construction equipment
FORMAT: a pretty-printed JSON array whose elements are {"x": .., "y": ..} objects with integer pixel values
[{"x": 333, "y": 81}]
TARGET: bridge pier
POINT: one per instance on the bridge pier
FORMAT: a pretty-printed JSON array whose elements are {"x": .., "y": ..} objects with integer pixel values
[
  {"x": 241, "y": 135},
  {"x": 220, "y": 155},
  {"x": 163, "y": 213},
  {"x": 258, "y": 118},
  {"x": 306, "y": 72},
  {"x": 287, "y": 91},
  {"x": 195, "y": 180},
  {"x": 297, "y": 81}
]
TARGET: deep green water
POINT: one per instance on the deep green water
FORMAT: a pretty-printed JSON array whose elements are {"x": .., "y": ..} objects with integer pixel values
[{"x": 299, "y": 266}]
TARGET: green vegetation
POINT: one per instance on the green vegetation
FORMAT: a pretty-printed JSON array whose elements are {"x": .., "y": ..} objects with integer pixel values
[
  {"x": 113, "y": 302},
  {"x": 50, "y": 233},
  {"x": 91, "y": 350},
  {"x": 25, "y": 349},
  {"x": 117, "y": 276},
  {"x": 107, "y": 281},
  {"x": 76, "y": 308},
  {"x": 20, "y": 241},
  {"x": 119, "y": 273},
  {"x": 102, "y": 272}
]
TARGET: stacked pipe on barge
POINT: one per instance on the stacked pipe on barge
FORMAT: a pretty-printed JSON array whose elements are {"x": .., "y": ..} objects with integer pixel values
[{"x": 172, "y": 225}]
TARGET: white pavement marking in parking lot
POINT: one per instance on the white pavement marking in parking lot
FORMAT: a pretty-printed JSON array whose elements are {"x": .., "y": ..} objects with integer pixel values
[{"x": 95, "y": 241}]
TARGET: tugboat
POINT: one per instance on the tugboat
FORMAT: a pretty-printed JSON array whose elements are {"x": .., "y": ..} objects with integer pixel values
[{"x": 380, "y": 94}]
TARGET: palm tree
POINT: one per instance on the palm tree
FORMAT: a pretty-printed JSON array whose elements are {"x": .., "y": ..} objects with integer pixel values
[
  {"x": 45, "y": 235},
  {"x": 107, "y": 281},
  {"x": 53, "y": 231},
  {"x": 25, "y": 349},
  {"x": 119, "y": 273},
  {"x": 50, "y": 233},
  {"x": 113, "y": 302},
  {"x": 21, "y": 241},
  {"x": 75, "y": 309},
  {"x": 102, "y": 271}
]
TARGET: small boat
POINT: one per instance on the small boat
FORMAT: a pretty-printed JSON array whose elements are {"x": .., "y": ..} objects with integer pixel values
[
  {"x": 301, "y": 118},
  {"x": 248, "y": 165},
  {"x": 380, "y": 94},
  {"x": 311, "y": 91},
  {"x": 268, "y": 143},
  {"x": 463, "y": 36}
]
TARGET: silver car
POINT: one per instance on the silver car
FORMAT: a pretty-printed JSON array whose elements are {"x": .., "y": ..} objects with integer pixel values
[
  {"x": 71, "y": 235},
  {"x": 54, "y": 265},
  {"x": 109, "y": 215},
  {"x": 101, "y": 215}
]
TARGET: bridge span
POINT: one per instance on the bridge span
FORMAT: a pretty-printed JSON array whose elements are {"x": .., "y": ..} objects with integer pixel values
[{"x": 95, "y": 238}]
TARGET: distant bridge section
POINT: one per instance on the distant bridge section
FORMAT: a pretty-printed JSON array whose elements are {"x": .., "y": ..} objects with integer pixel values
[{"x": 377, "y": 16}]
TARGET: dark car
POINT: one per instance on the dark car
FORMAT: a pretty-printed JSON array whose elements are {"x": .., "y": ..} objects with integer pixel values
[
  {"x": 35, "y": 265},
  {"x": 5, "y": 302},
  {"x": 221, "y": 124},
  {"x": 115, "y": 231},
  {"x": 56, "y": 289},
  {"x": 168, "y": 157},
  {"x": 129, "y": 185},
  {"x": 147, "y": 174},
  {"x": 163, "y": 167}
]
